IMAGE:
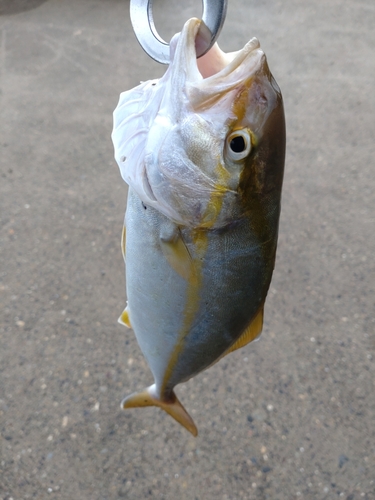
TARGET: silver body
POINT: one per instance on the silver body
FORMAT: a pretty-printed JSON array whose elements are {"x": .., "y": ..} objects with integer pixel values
[
  {"x": 202, "y": 150},
  {"x": 223, "y": 301}
]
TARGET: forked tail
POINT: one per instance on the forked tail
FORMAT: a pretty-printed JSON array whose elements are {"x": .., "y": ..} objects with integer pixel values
[{"x": 172, "y": 406}]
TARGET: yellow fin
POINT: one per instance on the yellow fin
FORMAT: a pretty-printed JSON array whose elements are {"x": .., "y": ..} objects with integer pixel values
[
  {"x": 173, "y": 407},
  {"x": 251, "y": 333},
  {"x": 124, "y": 318},
  {"x": 123, "y": 241},
  {"x": 178, "y": 257}
]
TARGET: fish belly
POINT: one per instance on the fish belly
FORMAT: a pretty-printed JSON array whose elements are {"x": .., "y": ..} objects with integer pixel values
[
  {"x": 185, "y": 317},
  {"x": 155, "y": 291}
]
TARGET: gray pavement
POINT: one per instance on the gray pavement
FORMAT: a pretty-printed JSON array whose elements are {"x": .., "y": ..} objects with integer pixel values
[{"x": 289, "y": 417}]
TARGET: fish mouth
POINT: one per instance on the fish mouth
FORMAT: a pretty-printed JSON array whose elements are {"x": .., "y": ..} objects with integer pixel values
[{"x": 216, "y": 70}]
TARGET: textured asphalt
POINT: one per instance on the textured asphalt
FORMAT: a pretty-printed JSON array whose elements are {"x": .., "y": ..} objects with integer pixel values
[{"x": 289, "y": 417}]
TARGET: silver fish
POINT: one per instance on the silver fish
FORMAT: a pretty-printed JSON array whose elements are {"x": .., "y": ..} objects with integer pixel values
[{"x": 202, "y": 150}]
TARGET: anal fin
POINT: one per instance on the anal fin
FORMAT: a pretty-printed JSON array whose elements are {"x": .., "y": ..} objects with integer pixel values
[
  {"x": 172, "y": 406},
  {"x": 124, "y": 318}
]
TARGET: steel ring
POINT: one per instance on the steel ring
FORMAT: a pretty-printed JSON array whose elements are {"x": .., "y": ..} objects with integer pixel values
[{"x": 214, "y": 12}]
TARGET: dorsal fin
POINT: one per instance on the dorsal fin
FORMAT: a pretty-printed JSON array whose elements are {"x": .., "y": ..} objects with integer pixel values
[{"x": 251, "y": 333}]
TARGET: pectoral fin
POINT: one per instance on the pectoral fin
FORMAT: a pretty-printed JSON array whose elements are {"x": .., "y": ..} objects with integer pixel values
[
  {"x": 251, "y": 333},
  {"x": 177, "y": 255},
  {"x": 172, "y": 406}
]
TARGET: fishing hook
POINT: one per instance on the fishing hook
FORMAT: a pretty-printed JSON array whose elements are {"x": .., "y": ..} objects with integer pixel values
[{"x": 214, "y": 12}]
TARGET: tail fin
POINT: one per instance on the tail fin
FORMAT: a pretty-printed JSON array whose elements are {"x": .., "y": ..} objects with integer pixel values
[{"x": 172, "y": 406}]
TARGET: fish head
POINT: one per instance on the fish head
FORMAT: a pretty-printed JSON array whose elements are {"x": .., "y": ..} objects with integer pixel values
[{"x": 208, "y": 136}]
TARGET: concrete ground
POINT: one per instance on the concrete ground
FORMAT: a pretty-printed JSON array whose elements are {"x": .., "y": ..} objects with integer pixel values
[{"x": 289, "y": 417}]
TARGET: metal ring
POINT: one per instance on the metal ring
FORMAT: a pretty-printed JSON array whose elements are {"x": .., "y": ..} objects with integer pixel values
[{"x": 214, "y": 12}]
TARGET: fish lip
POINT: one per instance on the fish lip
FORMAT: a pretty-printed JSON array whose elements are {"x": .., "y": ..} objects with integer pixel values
[{"x": 225, "y": 64}]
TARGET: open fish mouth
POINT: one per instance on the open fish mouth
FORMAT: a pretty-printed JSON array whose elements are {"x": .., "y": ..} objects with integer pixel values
[{"x": 216, "y": 71}]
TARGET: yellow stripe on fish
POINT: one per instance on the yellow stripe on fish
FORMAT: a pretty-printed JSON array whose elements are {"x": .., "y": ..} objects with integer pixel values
[
  {"x": 195, "y": 278},
  {"x": 192, "y": 303}
]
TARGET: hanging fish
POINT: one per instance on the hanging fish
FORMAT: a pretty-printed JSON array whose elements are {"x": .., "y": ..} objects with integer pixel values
[{"x": 202, "y": 150}]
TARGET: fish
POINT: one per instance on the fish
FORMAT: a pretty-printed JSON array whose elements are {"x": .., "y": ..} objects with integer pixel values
[{"x": 202, "y": 150}]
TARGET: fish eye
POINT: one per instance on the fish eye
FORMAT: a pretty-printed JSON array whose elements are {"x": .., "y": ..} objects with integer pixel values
[{"x": 238, "y": 144}]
